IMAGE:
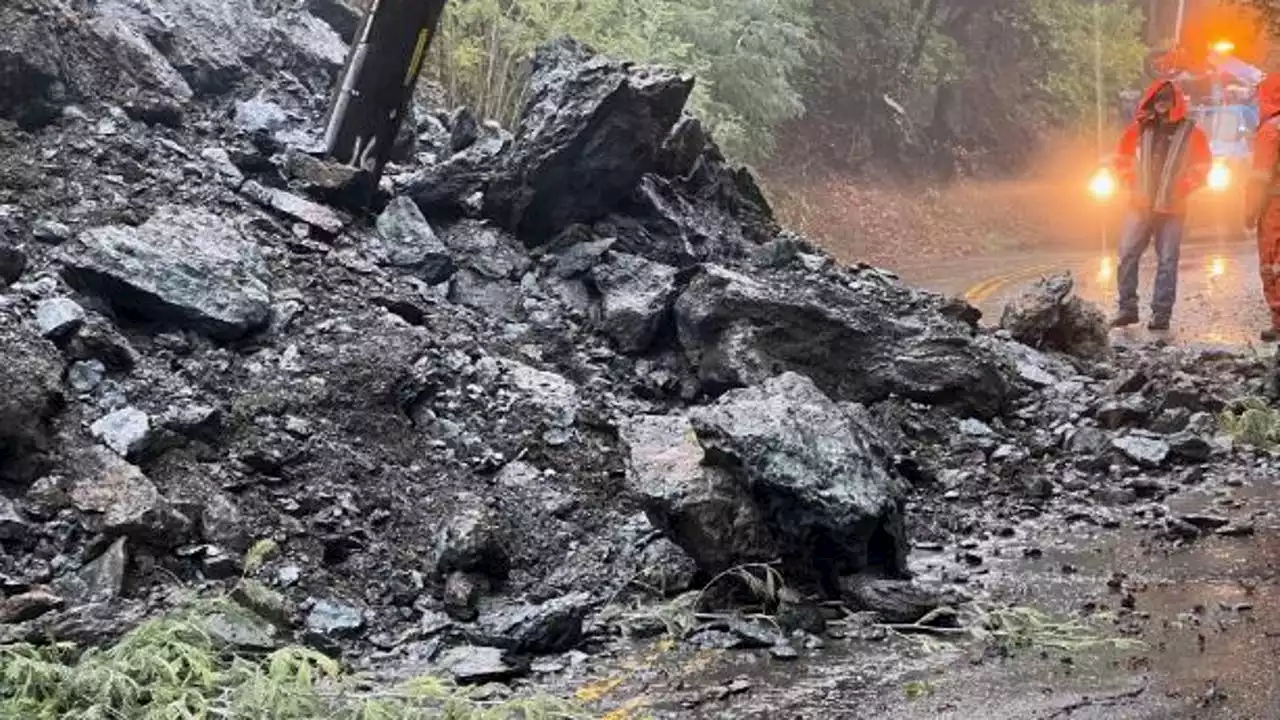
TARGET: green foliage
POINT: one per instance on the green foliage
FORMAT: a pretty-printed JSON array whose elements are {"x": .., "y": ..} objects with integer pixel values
[
  {"x": 177, "y": 667},
  {"x": 173, "y": 668},
  {"x": 1252, "y": 421},
  {"x": 1067, "y": 36},
  {"x": 744, "y": 52}
]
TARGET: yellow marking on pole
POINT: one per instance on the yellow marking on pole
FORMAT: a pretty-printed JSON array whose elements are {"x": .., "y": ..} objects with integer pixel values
[{"x": 419, "y": 51}]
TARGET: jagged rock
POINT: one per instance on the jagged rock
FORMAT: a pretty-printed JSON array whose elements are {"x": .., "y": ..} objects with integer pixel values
[
  {"x": 30, "y": 377},
  {"x": 697, "y": 505},
  {"x": 51, "y": 231},
  {"x": 28, "y": 606},
  {"x": 464, "y": 130},
  {"x": 118, "y": 498},
  {"x": 220, "y": 159},
  {"x": 820, "y": 479},
  {"x": 13, "y": 262},
  {"x": 183, "y": 266},
  {"x": 666, "y": 568},
  {"x": 334, "y": 619},
  {"x": 301, "y": 209},
  {"x": 485, "y": 250},
  {"x": 98, "y": 340},
  {"x": 241, "y": 631},
  {"x": 329, "y": 181},
  {"x": 462, "y": 593},
  {"x": 478, "y": 665},
  {"x": 1143, "y": 450},
  {"x": 58, "y": 317},
  {"x": 260, "y": 115},
  {"x": 863, "y": 339},
  {"x": 310, "y": 49},
  {"x": 590, "y": 128},
  {"x": 446, "y": 187},
  {"x": 12, "y": 524},
  {"x": 1052, "y": 317},
  {"x": 341, "y": 16},
  {"x": 636, "y": 296},
  {"x": 101, "y": 579},
  {"x": 551, "y": 627},
  {"x": 682, "y": 148},
  {"x": 580, "y": 257},
  {"x": 127, "y": 431},
  {"x": 472, "y": 541},
  {"x": 409, "y": 242}
]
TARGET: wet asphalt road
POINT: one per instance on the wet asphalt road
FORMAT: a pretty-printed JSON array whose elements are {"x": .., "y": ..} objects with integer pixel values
[{"x": 1219, "y": 294}]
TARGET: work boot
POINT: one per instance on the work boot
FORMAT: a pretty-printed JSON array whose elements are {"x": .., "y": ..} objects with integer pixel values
[
  {"x": 1160, "y": 322},
  {"x": 1124, "y": 319}
]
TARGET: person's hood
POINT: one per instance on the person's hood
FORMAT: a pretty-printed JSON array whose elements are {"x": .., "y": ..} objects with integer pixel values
[
  {"x": 1176, "y": 114},
  {"x": 1269, "y": 96}
]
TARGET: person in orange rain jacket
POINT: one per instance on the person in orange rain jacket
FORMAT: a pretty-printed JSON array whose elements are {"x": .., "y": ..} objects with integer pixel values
[
  {"x": 1264, "y": 197},
  {"x": 1162, "y": 158}
]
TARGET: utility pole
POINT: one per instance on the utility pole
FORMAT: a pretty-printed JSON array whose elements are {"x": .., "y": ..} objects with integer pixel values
[{"x": 376, "y": 87}]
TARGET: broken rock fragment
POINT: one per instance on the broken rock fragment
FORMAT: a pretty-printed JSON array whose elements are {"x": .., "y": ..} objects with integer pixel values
[
  {"x": 821, "y": 480},
  {"x": 30, "y": 378},
  {"x": 860, "y": 337},
  {"x": 184, "y": 267},
  {"x": 409, "y": 242},
  {"x": 117, "y": 497},
  {"x": 591, "y": 127},
  {"x": 636, "y": 299}
]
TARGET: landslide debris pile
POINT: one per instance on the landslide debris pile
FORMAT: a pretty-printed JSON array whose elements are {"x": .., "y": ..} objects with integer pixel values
[{"x": 557, "y": 368}]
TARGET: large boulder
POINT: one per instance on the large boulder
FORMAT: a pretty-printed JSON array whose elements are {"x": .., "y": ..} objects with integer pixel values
[
  {"x": 774, "y": 471},
  {"x": 695, "y": 504},
  {"x": 591, "y": 128},
  {"x": 184, "y": 267},
  {"x": 819, "y": 474},
  {"x": 31, "y": 378},
  {"x": 1050, "y": 316},
  {"x": 860, "y": 335}
]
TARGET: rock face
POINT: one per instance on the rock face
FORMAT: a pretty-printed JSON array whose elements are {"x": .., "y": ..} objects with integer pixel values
[
  {"x": 183, "y": 267},
  {"x": 862, "y": 338},
  {"x": 1050, "y": 316},
  {"x": 591, "y": 128},
  {"x": 696, "y": 504},
  {"x": 30, "y": 376},
  {"x": 819, "y": 476},
  {"x": 96, "y": 54},
  {"x": 636, "y": 299},
  {"x": 785, "y": 472},
  {"x": 408, "y": 241}
]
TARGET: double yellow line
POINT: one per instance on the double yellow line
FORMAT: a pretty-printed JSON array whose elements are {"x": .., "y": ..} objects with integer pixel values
[{"x": 990, "y": 286}]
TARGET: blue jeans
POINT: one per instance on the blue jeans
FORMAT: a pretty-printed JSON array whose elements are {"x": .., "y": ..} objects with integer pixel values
[{"x": 1139, "y": 229}]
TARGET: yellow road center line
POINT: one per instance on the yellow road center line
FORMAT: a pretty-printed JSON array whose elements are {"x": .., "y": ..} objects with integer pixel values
[{"x": 985, "y": 289}]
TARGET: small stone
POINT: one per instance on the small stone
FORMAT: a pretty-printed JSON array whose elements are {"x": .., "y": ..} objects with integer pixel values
[
  {"x": 126, "y": 431},
  {"x": 12, "y": 525},
  {"x": 51, "y": 231},
  {"x": 58, "y": 317},
  {"x": 101, "y": 579},
  {"x": 221, "y": 162},
  {"x": 334, "y": 619},
  {"x": 554, "y": 626},
  {"x": 13, "y": 262},
  {"x": 1146, "y": 451},
  {"x": 28, "y": 606},
  {"x": 1205, "y": 522},
  {"x": 288, "y": 575},
  {"x": 1240, "y": 529},
  {"x": 84, "y": 376},
  {"x": 462, "y": 593},
  {"x": 477, "y": 665},
  {"x": 784, "y": 652},
  {"x": 313, "y": 214}
]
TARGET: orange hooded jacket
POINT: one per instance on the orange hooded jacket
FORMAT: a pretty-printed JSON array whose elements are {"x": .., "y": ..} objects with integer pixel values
[
  {"x": 1193, "y": 169},
  {"x": 1266, "y": 144}
]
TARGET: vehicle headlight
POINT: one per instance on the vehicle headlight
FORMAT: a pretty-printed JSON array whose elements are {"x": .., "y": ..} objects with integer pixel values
[
  {"x": 1103, "y": 184},
  {"x": 1219, "y": 177}
]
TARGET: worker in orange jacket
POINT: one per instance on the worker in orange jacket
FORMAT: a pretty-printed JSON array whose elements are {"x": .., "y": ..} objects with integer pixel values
[
  {"x": 1264, "y": 198},
  {"x": 1162, "y": 158}
]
